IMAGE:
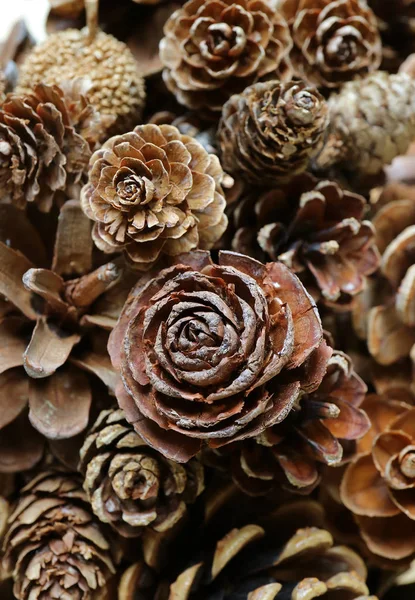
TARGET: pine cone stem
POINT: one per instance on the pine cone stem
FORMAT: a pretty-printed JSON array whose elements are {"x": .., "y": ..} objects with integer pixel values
[
  {"x": 91, "y": 8},
  {"x": 84, "y": 291}
]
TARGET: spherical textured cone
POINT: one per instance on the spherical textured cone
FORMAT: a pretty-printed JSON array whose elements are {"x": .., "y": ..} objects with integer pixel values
[
  {"x": 117, "y": 88},
  {"x": 131, "y": 486},
  {"x": 269, "y": 132}
]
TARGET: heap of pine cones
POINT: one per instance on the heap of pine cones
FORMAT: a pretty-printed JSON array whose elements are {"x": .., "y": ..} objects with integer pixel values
[{"x": 207, "y": 302}]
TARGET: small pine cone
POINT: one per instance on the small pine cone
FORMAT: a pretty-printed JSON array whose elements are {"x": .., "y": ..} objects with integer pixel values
[
  {"x": 130, "y": 485},
  {"x": 154, "y": 192},
  {"x": 334, "y": 40},
  {"x": 53, "y": 546},
  {"x": 371, "y": 122},
  {"x": 116, "y": 86},
  {"x": 45, "y": 143},
  {"x": 212, "y": 51},
  {"x": 269, "y": 132}
]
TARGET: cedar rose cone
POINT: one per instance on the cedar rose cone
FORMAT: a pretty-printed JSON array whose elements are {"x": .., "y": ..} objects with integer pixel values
[
  {"x": 211, "y": 354},
  {"x": 154, "y": 192},
  {"x": 270, "y": 131},
  {"x": 213, "y": 49},
  {"x": 334, "y": 40},
  {"x": 53, "y": 546},
  {"x": 131, "y": 486},
  {"x": 314, "y": 227},
  {"x": 379, "y": 485}
]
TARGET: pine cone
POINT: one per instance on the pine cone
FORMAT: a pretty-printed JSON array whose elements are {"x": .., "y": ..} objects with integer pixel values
[
  {"x": 131, "y": 486},
  {"x": 316, "y": 229},
  {"x": 378, "y": 485},
  {"x": 321, "y": 429},
  {"x": 211, "y": 52},
  {"x": 154, "y": 192},
  {"x": 268, "y": 133},
  {"x": 371, "y": 122},
  {"x": 53, "y": 545},
  {"x": 240, "y": 342},
  {"x": 46, "y": 140},
  {"x": 334, "y": 40}
]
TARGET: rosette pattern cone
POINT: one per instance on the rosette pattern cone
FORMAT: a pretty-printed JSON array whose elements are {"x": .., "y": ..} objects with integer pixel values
[
  {"x": 211, "y": 354},
  {"x": 153, "y": 192},
  {"x": 130, "y": 485}
]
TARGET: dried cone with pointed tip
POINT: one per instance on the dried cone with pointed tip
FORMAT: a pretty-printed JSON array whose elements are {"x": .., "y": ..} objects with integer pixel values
[
  {"x": 54, "y": 546},
  {"x": 314, "y": 227},
  {"x": 154, "y": 192},
  {"x": 269, "y": 132},
  {"x": 371, "y": 122},
  {"x": 214, "y": 353},
  {"x": 212, "y": 50},
  {"x": 334, "y": 40},
  {"x": 131, "y": 486},
  {"x": 321, "y": 429},
  {"x": 46, "y": 137},
  {"x": 379, "y": 485}
]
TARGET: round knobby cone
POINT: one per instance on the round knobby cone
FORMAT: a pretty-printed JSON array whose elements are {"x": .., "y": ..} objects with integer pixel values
[
  {"x": 211, "y": 354},
  {"x": 131, "y": 486},
  {"x": 154, "y": 192},
  {"x": 270, "y": 131}
]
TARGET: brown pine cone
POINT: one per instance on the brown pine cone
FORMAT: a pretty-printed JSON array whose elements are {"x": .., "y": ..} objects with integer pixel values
[
  {"x": 321, "y": 429},
  {"x": 54, "y": 546},
  {"x": 130, "y": 485},
  {"x": 154, "y": 192},
  {"x": 268, "y": 133},
  {"x": 334, "y": 40},
  {"x": 314, "y": 227},
  {"x": 378, "y": 486},
  {"x": 210, "y": 354},
  {"x": 212, "y": 51},
  {"x": 46, "y": 140}
]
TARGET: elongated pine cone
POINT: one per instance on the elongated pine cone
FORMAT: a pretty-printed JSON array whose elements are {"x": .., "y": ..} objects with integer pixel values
[
  {"x": 130, "y": 485},
  {"x": 53, "y": 546},
  {"x": 212, "y": 50},
  {"x": 321, "y": 429},
  {"x": 371, "y": 122},
  {"x": 334, "y": 40},
  {"x": 154, "y": 192},
  {"x": 269, "y": 132},
  {"x": 211, "y": 354},
  {"x": 46, "y": 138},
  {"x": 314, "y": 227},
  {"x": 378, "y": 485},
  {"x": 116, "y": 87}
]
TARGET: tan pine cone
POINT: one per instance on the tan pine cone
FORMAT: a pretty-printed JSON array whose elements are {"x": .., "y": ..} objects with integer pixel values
[
  {"x": 131, "y": 486},
  {"x": 154, "y": 192},
  {"x": 215, "y": 353},
  {"x": 211, "y": 51},
  {"x": 334, "y": 40},
  {"x": 314, "y": 227},
  {"x": 269, "y": 132},
  {"x": 46, "y": 137},
  {"x": 53, "y": 546},
  {"x": 371, "y": 122}
]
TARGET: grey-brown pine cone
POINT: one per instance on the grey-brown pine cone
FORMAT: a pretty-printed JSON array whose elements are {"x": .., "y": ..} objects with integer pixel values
[
  {"x": 130, "y": 485},
  {"x": 269, "y": 132}
]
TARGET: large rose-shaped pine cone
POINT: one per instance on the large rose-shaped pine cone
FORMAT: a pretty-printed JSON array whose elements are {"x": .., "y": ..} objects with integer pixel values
[
  {"x": 321, "y": 429},
  {"x": 212, "y": 49},
  {"x": 270, "y": 131},
  {"x": 316, "y": 229},
  {"x": 45, "y": 141},
  {"x": 54, "y": 547},
  {"x": 211, "y": 354},
  {"x": 334, "y": 40},
  {"x": 379, "y": 485},
  {"x": 154, "y": 191},
  {"x": 130, "y": 485}
]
